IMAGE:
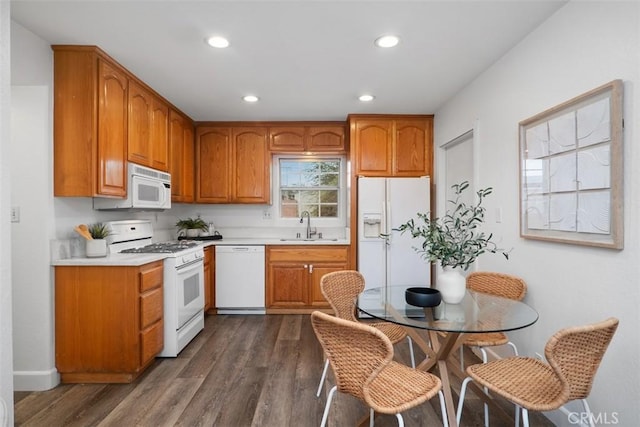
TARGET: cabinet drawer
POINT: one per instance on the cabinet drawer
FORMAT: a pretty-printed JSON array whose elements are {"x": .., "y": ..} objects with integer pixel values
[
  {"x": 152, "y": 342},
  {"x": 308, "y": 254},
  {"x": 150, "y": 307},
  {"x": 151, "y": 276}
]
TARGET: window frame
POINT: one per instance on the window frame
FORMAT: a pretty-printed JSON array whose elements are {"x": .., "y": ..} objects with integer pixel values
[{"x": 340, "y": 220}]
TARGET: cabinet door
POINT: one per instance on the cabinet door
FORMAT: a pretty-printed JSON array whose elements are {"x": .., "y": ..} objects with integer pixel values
[
  {"x": 287, "y": 285},
  {"x": 213, "y": 165},
  {"x": 208, "y": 288},
  {"x": 139, "y": 131},
  {"x": 176, "y": 151},
  {"x": 159, "y": 135},
  {"x": 250, "y": 177},
  {"x": 412, "y": 148},
  {"x": 181, "y": 157},
  {"x": 286, "y": 138},
  {"x": 373, "y": 150},
  {"x": 188, "y": 162},
  {"x": 151, "y": 342},
  {"x": 112, "y": 131},
  {"x": 326, "y": 139},
  {"x": 316, "y": 299}
]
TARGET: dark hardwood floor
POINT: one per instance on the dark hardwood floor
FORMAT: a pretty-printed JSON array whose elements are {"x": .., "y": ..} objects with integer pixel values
[{"x": 240, "y": 371}]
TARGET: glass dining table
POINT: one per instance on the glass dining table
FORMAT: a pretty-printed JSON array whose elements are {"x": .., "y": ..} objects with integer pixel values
[{"x": 440, "y": 330}]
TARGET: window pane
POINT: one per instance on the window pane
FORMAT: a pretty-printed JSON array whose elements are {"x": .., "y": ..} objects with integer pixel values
[
  {"x": 328, "y": 196},
  {"x": 312, "y": 209},
  {"x": 289, "y": 204},
  {"x": 329, "y": 211},
  {"x": 309, "y": 185}
]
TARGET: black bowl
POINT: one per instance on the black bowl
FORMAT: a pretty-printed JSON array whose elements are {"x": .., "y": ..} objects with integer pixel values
[{"x": 423, "y": 297}]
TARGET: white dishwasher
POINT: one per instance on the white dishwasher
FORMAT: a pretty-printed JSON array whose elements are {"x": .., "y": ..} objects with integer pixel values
[{"x": 240, "y": 279}]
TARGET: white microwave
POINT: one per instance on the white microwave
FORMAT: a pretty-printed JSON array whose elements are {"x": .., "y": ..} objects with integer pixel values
[{"x": 148, "y": 189}]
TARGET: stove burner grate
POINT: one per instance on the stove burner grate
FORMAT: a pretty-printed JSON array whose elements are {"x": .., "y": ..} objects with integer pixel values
[{"x": 165, "y": 247}]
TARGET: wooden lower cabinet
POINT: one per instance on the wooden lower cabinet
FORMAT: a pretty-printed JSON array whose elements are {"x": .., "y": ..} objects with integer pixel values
[
  {"x": 108, "y": 321},
  {"x": 294, "y": 273},
  {"x": 210, "y": 280}
]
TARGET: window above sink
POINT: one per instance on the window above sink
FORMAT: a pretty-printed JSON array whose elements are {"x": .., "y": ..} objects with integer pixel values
[{"x": 316, "y": 184}]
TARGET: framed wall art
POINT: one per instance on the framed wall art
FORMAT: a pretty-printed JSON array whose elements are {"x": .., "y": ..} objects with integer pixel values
[{"x": 571, "y": 165}]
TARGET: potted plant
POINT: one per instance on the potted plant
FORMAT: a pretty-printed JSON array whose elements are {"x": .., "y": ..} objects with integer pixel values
[
  {"x": 97, "y": 247},
  {"x": 455, "y": 240},
  {"x": 192, "y": 226}
]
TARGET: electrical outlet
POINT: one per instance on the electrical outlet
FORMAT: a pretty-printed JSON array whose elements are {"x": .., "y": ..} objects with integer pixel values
[
  {"x": 15, "y": 214},
  {"x": 266, "y": 214}
]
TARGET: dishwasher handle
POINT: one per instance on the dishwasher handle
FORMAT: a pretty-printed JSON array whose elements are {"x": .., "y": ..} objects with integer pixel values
[{"x": 239, "y": 249}]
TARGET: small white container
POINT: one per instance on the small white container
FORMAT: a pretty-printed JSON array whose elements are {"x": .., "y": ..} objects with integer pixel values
[{"x": 96, "y": 248}]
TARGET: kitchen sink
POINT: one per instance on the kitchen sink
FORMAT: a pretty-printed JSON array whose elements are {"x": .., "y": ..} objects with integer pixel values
[{"x": 302, "y": 239}]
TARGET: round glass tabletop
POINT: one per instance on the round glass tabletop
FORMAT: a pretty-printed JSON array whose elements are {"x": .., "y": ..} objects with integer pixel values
[{"x": 476, "y": 313}]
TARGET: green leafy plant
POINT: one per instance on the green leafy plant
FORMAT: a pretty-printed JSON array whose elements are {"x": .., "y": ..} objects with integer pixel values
[
  {"x": 455, "y": 240},
  {"x": 192, "y": 223},
  {"x": 98, "y": 230}
]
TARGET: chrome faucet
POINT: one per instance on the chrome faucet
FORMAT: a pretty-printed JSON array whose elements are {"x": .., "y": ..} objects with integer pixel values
[{"x": 309, "y": 232}]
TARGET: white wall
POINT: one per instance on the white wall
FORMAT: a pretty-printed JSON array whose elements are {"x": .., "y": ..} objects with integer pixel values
[
  {"x": 32, "y": 192},
  {"x": 582, "y": 46},
  {"x": 6, "y": 379}
]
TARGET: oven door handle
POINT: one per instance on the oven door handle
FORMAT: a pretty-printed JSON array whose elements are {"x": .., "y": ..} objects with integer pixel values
[{"x": 190, "y": 263}]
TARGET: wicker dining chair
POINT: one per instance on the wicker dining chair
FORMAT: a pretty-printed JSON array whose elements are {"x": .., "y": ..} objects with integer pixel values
[
  {"x": 341, "y": 289},
  {"x": 361, "y": 359},
  {"x": 499, "y": 284},
  {"x": 573, "y": 354}
]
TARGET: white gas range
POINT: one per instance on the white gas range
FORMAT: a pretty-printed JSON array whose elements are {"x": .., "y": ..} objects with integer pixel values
[{"x": 183, "y": 279}]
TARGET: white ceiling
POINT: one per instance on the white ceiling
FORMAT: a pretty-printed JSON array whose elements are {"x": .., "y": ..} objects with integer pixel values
[{"x": 306, "y": 60}]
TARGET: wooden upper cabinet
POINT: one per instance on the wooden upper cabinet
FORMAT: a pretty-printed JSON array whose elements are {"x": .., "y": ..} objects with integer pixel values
[
  {"x": 139, "y": 141},
  {"x": 314, "y": 137},
  {"x": 373, "y": 147},
  {"x": 181, "y": 164},
  {"x": 213, "y": 165},
  {"x": 392, "y": 145},
  {"x": 287, "y": 138},
  {"x": 103, "y": 117},
  {"x": 412, "y": 148},
  {"x": 250, "y": 181},
  {"x": 112, "y": 131},
  {"x": 148, "y": 142},
  {"x": 159, "y": 135},
  {"x": 328, "y": 138},
  {"x": 90, "y": 124},
  {"x": 232, "y": 165}
]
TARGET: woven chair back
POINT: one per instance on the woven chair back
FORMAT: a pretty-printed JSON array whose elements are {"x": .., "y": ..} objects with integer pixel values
[
  {"x": 575, "y": 354},
  {"x": 499, "y": 284},
  {"x": 355, "y": 351},
  {"x": 341, "y": 290}
]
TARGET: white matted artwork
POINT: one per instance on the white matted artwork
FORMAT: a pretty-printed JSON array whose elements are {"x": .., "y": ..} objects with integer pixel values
[{"x": 571, "y": 166}]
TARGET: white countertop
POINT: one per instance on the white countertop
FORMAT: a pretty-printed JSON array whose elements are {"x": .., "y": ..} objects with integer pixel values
[
  {"x": 119, "y": 259},
  {"x": 111, "y": 259},
  {"x": 273, "y": 241}
]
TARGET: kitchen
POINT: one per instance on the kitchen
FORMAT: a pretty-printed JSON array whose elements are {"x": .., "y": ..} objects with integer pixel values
[{"x": 62, "y": 214}]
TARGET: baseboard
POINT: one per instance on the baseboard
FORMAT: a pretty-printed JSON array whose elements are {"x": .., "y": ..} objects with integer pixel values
[{"x": 35, "y": 380}]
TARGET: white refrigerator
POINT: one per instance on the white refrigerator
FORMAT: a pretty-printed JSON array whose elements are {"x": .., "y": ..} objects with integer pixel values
[{"x": 385, "y": 204}]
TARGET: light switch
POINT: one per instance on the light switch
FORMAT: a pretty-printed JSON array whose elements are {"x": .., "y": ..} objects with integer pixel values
[{"x": 498, "y": 215}]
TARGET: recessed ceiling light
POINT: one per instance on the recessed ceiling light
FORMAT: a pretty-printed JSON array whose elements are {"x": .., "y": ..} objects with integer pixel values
[
  {"x": 387, "y": 41},
  {"x": 250, "y": 98},
  {"x": 366, "y": 98},
  {"x": 217, "y": 41}
]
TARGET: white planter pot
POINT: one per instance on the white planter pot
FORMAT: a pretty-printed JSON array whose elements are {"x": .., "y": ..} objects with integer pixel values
[
  {"x": 452, "y": 285},
  {"x": 192, "y": 232},
  {"x": 96, "y": 248}
]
